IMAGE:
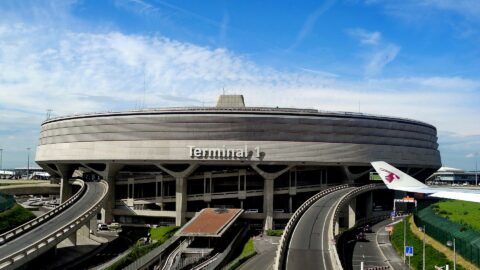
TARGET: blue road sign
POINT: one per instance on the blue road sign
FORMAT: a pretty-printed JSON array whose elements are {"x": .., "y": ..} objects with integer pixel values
[
  {"x": 408, "y": 251},
  {"x": 393, "y": 214}
]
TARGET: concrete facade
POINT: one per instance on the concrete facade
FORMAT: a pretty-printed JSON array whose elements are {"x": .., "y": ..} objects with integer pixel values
[{"x": 218, "y": 153}]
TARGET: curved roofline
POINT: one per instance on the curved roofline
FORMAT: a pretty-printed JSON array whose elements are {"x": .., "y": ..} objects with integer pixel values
[{"x": 245, "y": 110}]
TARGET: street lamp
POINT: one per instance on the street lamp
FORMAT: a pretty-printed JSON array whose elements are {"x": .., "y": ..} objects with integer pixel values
[
  {"x": 450, "y": 243},
  {"x": 28, "y": 161},
  {"x": 1, "y": 158},
  {"x": 423, "y": 256}
]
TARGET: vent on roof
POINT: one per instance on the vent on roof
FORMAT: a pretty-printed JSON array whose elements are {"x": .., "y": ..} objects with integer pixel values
[{"x": 230, "y": 101}]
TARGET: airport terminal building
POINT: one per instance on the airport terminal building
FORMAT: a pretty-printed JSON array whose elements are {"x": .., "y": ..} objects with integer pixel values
[{"x": 164, "y": 165}]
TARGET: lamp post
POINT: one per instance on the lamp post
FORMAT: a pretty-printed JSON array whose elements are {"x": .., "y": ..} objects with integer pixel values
[
  {"x": 28, "y": 161},
  {"x": 1, "y": 158},
  {"x": 423, "y": 255},
  {"x": 404, "y": 237},
  {"x": 450, "y": 243}
]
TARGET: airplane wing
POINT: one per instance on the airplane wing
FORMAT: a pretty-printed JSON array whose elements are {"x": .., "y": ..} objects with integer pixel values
[{"x": 397, "y": 180}]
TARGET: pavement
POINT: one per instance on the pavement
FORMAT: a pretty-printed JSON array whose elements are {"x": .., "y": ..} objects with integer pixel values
[
  {"x": 266, "y": 247},
  {"x": 377, "y": 251},
  {"x": 310, "y": 243}
]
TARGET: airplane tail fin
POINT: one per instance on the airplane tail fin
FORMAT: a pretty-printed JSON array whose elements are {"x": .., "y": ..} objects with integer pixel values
[{"x": 394, "y": 178}]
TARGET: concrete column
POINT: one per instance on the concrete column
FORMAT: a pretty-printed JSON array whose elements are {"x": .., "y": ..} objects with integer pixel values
[
  {"x": 180, "y": 200},
  {"x": 65, "y": 171},
  {"x": 268, "y": 203},
  {"x": 290, "y": 204},
  {"x": 352, "y": 206},
  {"x": 268, "y": 193},
  {"x": 109, "y": 176},
  {"x": 180, "y": 191},
  {"x": 369, "y": 204},
  {"x": 159, "y": 200},
  {"x": 72, "y": 239}
]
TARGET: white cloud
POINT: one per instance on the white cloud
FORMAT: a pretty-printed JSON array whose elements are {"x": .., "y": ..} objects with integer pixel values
[
  {"x": 380, "y": 58},
  {"x": 73, "y": 72},
  {"x": 366, "y": 37}
]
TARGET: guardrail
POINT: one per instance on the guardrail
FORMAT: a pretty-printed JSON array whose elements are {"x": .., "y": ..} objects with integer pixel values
[
  {"x": 287, "y": 233},
  {"x": 170, "y": 263},
  {"x": 8, "y": 236},
  {"x": 345, "y": 199},
  {"x": 47, "y": 242}
]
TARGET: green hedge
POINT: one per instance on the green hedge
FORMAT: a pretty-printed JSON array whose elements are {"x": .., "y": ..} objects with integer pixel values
[{"x": 13, "y": 217}]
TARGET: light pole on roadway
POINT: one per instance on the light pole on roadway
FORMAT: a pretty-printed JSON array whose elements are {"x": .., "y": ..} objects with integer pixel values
[
  {"x": 450, "y": 243},
  {"x": 28, "y": 161}
]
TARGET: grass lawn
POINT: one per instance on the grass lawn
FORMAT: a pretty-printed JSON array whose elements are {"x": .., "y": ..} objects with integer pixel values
[
  {"x": 274, "y": 232},
  {"x": 433, "y": 257},
  {"x": 14, "y": 217},
  {"x": 465, "y": 213},
  {"x": 161, "y": 234},
  {"x": 248, "y": 251}
]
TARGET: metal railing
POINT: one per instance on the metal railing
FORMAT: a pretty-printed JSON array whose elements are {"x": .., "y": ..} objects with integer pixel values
[
  {"x": 48, "y": 241},
  {"x": 287, "y": 233},
  {"x": 7, "y": 236}
]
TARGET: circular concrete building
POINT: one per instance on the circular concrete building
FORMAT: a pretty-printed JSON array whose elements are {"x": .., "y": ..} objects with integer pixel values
[{"x": 163, "y": 165}]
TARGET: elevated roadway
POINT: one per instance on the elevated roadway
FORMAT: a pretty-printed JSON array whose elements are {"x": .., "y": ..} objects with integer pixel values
[
  {"x": 50, "y": 232},
  {"x": 311, "y": 243},
  {"x": 31, "y": 189}
]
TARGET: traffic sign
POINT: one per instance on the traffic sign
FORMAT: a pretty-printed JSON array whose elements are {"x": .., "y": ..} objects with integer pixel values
[{"x": 408, "y": 251}]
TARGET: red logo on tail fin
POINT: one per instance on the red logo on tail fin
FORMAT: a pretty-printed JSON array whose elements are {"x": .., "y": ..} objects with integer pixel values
[{"x": 390, "y": 176}]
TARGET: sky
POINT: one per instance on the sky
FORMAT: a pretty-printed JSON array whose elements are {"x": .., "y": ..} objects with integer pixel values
[{"x": 417, "y": 59}]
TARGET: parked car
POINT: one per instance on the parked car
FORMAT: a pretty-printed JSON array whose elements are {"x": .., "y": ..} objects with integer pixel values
[{"x": 102, "y": 227}]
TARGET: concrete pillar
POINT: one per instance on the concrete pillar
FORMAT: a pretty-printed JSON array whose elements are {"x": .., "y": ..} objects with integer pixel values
[
  {"x": 159, "y": 199},
  {"x": 369, "y": 204},
  {"x": 290, "y": 204},
  {"x": 65, "y": 171},
  {"x": 109, "y": 175},
  {"x": 180, "y": 200},
  {"x": 268, "y": 203},
  {"x": 268, "y": 193},
  {"x": 180, "y": 191},
  {"x": 84, "y": 231},
  {"x": 72, "y": 239},
  {"x": 352, "y": 206}
]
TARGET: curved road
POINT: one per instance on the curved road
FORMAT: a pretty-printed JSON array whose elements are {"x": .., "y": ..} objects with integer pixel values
[
  {"x": 309, "y": 245},
  {"x": 93, "y": 194}
]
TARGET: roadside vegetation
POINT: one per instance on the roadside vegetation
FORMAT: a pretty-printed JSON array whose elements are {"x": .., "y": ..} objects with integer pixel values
[
  {"x": 432, "y": 256},
  {"x": 248, "y": 251},
  {"x": 465, "y": 213},
  {"x": 139, "y": 249},
  {"x": 274, "y": 232},
  {"x": 13, "y": 217}
]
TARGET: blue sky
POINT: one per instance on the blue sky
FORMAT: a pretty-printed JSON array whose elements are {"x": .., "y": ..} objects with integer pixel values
[{"x": 415, "y": 59}]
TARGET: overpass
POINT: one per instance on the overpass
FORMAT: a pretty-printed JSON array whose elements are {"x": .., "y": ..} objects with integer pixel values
[
  {"x": 32, "y": 239},
  {"x": 308, "y": 241}
]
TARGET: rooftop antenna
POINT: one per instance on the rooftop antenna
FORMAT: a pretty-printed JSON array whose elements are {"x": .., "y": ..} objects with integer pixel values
[
  {"x": 144, "y": 88},
  {"x": 223, "y": 89},
  {"x": 49, "y": 113}
]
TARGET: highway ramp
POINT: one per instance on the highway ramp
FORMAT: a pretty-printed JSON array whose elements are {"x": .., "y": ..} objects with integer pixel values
[
  {"x": 93, "y": 196},
  {"x": 309, "y": 246}
]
